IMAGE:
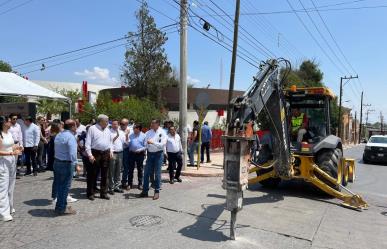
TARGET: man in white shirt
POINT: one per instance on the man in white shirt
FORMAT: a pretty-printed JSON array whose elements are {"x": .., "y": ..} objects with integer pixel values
[
  {"x": 174, "y": 150},
  {"x": 31, "y": 138},
  {"x": 156, "y": 140},
  {"x": 119, "y": 138},
  {"x": 16, "y": 130},
  {"x": 80, "y": 127},
  {"x": 17, "y": 136},
  {"x": 125, "y": 160},
  {"x": 99, "y": 149}
]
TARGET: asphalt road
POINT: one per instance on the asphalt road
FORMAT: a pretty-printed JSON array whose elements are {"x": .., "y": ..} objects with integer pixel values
[{"x": 192, "y": 215}]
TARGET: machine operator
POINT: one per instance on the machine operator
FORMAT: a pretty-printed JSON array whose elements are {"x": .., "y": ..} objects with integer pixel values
[{"x": 299, "y": 124}]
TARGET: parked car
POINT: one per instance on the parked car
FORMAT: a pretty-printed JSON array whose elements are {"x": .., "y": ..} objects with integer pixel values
[{"x": 376, "y": 149}]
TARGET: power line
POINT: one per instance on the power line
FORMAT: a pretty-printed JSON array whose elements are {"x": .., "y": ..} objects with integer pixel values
[
  {"x": 85, "y": 48},
  {"x": 287, "y": 46},
  {"x": 5, "y": 2},
  {"x": 15, "y": 7},
  {"x": 214, "y": 38},
  {"x": 252, "y": 44},
  {"x": 314, "y": 38},
  {"x": 323, "y": 37},
  {"x": 268, "y": 51},
  {"x": 78, "y": 58},
  {"x": 310, "y": 10},
  {"x": 336, "y": 43},
  {"x": 81, "y": 57}
]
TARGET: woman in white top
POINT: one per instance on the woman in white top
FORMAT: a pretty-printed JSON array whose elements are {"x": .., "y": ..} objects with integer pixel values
[{"x": 8, "y": 152}]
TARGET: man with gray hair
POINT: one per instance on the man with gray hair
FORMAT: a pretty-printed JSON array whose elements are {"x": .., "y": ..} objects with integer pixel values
[{"x": 99, "y": 148}]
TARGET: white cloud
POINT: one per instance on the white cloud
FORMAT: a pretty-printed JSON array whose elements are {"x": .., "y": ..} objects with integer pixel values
[
  {"x": 99, "y": 74},
  {"x": 191, "y": 80}
]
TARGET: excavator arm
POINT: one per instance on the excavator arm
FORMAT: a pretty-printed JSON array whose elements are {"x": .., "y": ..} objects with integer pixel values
[{"x": 265, "y": 94}]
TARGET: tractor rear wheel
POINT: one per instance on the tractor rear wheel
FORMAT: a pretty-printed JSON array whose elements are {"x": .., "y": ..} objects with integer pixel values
[{"x": 329, "y": 161}]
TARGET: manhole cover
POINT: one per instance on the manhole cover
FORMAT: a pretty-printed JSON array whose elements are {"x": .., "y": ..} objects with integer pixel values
[
  {"x": 146, "y": 220},
  {"x": 384, "y": 213}
]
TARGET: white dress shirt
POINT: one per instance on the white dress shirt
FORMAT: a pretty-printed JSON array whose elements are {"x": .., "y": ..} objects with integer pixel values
[
  {"x": 118, "y": 144},
  {"x": 81, "y": 128},
  {"x": 98, "y": 139},
  {"x": 31, "y": 136},
  {"x": 174, "y": 143},
  {"x": 17, "y": 134},
  {"x": 159, "y": 139}
]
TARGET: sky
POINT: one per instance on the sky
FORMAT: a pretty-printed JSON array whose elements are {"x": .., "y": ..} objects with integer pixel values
[{"x": 35, "y": 29}]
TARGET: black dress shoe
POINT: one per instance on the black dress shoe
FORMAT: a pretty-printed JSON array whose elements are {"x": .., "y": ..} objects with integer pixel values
[
  {"x": 27, "y": 173},
  {"x": 171, "y": 182},
  {"x": 111, "y": 192},
  {"x": 139, "y": 187},
  {"x": 35, "y": 173},
  {"x": 178, "y": 179},
  {"x": 118, "y": 190},
  {"x": 143, "y": 195},
  {"x": 91, "y": 198},
  {"x": 105, "y": 197}
]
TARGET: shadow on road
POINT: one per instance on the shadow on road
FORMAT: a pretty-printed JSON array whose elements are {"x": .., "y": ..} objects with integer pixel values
[
  {"x": 78, "y": 193},
  {"x": 131, "y": 195},
  {"x": 42, "y": 213},
  {"x": 202, "y": 229},
  {"x": 38, "y": 202}
]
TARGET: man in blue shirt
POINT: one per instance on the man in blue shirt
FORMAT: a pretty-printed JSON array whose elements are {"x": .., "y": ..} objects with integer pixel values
[
  {"x": 65, "y": 161},
  {"x": 206, "y": 139},
  {"x": 136, "y": 155}
]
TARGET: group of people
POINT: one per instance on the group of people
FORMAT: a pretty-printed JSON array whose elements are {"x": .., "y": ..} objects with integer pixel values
[{"x": 110, "y": 151}]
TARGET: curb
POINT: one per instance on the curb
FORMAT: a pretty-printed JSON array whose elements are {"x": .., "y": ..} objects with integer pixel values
[{"x": 193, "y": 174}]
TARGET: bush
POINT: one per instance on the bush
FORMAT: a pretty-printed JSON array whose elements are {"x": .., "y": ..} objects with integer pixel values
[{"x": 140, "y": 110}]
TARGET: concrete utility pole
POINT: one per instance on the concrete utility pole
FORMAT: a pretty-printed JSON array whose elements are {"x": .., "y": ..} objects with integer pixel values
[
  {"x": 361, "y": 116},
  {"x": 354, "y": 138},
  {"x": 339, "y": 121},
  {"x": 381, "y": 123},
  {"x": 183, "y": 79},
  {"x": 233, "y": 61}
]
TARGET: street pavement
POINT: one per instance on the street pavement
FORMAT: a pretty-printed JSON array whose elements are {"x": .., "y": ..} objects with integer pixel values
[{"x": 192, "y": 215}]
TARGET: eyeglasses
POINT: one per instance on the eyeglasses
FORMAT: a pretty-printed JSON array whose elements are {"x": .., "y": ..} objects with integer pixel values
[{"x": 14, "y": 118}]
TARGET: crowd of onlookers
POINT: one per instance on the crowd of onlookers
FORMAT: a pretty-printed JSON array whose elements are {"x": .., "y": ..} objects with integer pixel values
[{"x": 110, "y": 150}]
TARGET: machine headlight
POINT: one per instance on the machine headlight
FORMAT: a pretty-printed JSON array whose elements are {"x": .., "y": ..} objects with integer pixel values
[{"x": 368, "y": 148}]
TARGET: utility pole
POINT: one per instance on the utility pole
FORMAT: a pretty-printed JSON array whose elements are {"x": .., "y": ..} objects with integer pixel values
[
  {"x": 354, "y": 138},
  {"x": 361, "y": 116},
  {"x": 233, "y": 61},
  {"x": 367, "y": 113},
  {"x": 183, "y": 79},
  {"x": 381, "y": 123},
  {"x": 341, "y": 96}
]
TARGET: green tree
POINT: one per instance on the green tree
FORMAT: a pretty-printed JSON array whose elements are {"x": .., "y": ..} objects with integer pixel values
[
  {"x": 5, "y": 67},
  {"x": 146, "y": 67},
  {"x": 308, "y": 74},
  {"x": 50, "y": 107}
]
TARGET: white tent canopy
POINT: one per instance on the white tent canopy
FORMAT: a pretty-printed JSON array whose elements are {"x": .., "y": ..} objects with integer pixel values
[{"x": 14, "y": 85}]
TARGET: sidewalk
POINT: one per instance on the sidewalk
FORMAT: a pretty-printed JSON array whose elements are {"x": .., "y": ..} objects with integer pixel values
[{"x": 213, "y": 169}]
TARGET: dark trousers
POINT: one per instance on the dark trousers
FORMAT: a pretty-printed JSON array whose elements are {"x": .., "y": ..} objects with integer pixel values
[
  {"x": 101, "y": 163},
  {"x": 30, "y": 157},
  {"x": 40, "y": 156},
  {"x": 136, "y": 160},
  {"x": 205, "y": 146},
  {"x": 173, "y": 159}
]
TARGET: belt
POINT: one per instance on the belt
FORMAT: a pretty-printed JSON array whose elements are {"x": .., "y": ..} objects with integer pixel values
[
  {"x": 62, "y": 161},
  {"x": 101, "y": 151},
  {"x": 117, "y": 152},
  {"x": 160, "y": 151}
]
